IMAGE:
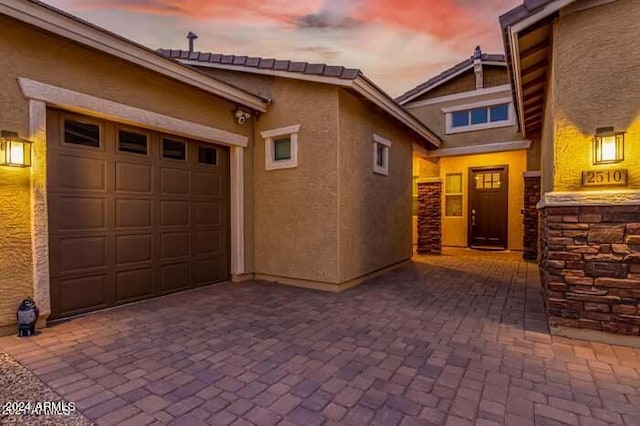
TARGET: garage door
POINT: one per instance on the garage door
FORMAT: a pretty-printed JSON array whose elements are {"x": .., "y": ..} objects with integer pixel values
[{"x": 133, "y": 213}]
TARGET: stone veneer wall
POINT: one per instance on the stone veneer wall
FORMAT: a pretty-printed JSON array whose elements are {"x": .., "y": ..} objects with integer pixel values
[
  {"x": 530, "y": 217},
  {"x": 429, "y": 217},
  {"x": 590, "y": 267}
]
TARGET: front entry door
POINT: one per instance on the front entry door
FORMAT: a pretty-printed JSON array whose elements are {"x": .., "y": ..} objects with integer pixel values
[{"x": 488, "y": 207}]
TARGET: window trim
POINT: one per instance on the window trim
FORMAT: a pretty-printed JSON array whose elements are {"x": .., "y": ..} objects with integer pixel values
[
  {"x": 270, "y": 137},
  {"x": 386, "y": 144},
  {"x": 511, "y": 121},
  {"x": 458, "y": 194}
]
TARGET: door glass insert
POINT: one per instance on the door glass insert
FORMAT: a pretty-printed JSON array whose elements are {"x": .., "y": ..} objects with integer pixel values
[{"x": 490, "y": 180}]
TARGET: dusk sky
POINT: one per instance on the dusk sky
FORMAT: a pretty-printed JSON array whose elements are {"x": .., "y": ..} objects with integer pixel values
[{"x": 396, "y": 43}]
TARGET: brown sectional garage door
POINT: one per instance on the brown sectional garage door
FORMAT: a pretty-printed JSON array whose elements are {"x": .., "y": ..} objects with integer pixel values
[{"x": 133, "y": 213}]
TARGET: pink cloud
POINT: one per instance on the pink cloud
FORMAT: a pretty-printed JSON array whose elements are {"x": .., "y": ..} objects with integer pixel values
[
  {"x": 445, "y": 20},
  {"x": 279, "y": 10}
]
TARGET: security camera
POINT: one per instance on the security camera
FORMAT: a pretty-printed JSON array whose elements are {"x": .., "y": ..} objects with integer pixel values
[{"x": 242, "y": 116}]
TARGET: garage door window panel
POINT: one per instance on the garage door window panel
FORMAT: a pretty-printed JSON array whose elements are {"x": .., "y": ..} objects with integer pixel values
[
  {"x": 82, "y": 133},
  {"x": 133, "y": 142},
  {"x": 207, "y": 155},
  {"x": 155, "y": 220},
  {"x": 173, "y": 149}
]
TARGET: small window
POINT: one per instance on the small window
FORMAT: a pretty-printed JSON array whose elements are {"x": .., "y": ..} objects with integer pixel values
[
  {"x": 453, "y": 195},
  {"x": 135, "y": 143},
  {"x": 381, "y": 149},
  {"x": 173, "y": 150},
  {"x": 282, "y": 149},
  {"x": 499, "y": 113},
  {"x": 479, "y": 116},
  {"x": 80, "y": 133},
  {"x": 207, "y": 155}
]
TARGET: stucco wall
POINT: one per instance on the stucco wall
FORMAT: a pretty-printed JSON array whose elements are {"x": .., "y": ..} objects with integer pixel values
[
  {"x": 296, "y": 209},
  {"x": 596, "y": 64},
  {"x": 375, "y": 210},
  {"x": 15, "y": 242},
  {"x": 37, "y": 55},
  {"x": 435, "y": 119},
  {"x": 454, "y": 229}
]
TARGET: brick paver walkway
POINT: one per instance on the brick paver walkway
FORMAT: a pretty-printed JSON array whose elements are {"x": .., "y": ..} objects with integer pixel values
[{"x": 456, "y": 339}]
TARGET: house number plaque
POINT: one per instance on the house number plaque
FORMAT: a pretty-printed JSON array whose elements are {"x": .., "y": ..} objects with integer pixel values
[{"x": 617, "y": 177}]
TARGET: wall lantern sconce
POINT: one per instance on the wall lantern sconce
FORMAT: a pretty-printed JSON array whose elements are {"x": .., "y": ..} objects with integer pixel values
[
  {"x": 14, "y": 151},
  {"x": 608, "y": 146}
]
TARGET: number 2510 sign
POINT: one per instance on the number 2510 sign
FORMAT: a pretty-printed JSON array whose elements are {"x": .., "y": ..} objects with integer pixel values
[{"x": 616, "y": 177}]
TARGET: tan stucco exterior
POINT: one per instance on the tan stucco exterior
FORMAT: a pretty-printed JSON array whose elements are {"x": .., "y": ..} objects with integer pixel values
[
  {"x": 605, "y": 93},
  {"x": 327, "y": 223},
  {"x": 334, "y": 181},
  {"x": 15, "y": 242},
  {"x": 435, "y": 119},
  {"x": 374, "y": 209},
  {"x": 49, "y": 59},
  {"x": 454, "y": 229},
  {"x": 296, "y": 209}
]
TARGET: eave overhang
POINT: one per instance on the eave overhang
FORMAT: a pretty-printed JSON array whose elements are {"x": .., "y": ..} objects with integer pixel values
[{"x": 527, "y": 35}]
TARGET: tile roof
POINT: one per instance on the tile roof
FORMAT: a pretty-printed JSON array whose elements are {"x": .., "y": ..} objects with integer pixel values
[
  {"x": 264, "y": 63},
  {"x": 443, "y": 76}
]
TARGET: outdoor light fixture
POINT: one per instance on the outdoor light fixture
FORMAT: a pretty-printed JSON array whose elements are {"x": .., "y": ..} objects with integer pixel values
[
  {"x": 608, "y": 146},
  {"x": 14, "y": 151}
]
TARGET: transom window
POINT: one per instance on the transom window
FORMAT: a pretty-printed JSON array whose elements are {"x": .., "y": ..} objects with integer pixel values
[
  {"x": 478, "y": 116},
  {"x": 453, "y": 195},
  {"x": 281, "y": 147}
]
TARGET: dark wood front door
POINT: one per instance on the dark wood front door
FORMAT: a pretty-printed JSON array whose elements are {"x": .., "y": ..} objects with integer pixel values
[{"x": 488, "y": 207}]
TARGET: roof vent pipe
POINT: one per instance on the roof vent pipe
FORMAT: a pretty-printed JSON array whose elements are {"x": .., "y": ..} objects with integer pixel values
[{"x": 191, "y": 37}]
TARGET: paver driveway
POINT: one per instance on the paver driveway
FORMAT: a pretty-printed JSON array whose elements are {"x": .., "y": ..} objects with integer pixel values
[{"x": 456, "y": 339}]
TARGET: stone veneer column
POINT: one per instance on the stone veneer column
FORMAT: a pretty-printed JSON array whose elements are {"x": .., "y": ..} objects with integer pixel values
[
  {"x": 590, "y": 269},
  {"x": 429, "y": 216},
  {"x": 530, "y": 214}
]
